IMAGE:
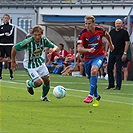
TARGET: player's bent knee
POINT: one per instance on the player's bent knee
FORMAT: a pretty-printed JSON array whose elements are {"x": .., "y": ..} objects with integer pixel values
[
  {"x": 47, "y": 82},
  {"x": 94, "y": 71},
  {"x": 38, "y": 83}
]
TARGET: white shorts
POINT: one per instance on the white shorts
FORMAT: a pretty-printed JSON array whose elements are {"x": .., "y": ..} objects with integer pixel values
[{"x": 36, "y": 73}]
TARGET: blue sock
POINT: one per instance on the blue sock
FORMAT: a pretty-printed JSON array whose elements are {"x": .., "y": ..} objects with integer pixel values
[
  {"x": 96, "y": 92},
  {"x": 93, "y": 85}
]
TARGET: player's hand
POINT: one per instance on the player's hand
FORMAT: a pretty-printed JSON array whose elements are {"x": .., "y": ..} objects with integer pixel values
[
  {"x": 111, "y": 47},
  {"x": 14, "y": 66},
  {"x": 106, "y": 54}
]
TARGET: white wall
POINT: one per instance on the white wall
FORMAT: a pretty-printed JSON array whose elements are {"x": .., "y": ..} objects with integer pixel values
[{"x": 56, "y": 38}]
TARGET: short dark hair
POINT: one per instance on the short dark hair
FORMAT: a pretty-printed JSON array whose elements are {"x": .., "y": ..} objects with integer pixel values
[{"x": 61, "y": 44}]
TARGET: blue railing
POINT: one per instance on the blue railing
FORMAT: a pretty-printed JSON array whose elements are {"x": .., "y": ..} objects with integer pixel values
[{"x": 62, "y": 2}]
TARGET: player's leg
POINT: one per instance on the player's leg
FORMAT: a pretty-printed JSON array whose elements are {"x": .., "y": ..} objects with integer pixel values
[
  {"x": 35, "y": 81},
  {"x": 87, "y": 66},
  {"x": 8, "y": 55},
  {"x": 93, "y": 79},
  {"x": 45, "y": 88},
  {"x": 2, "y": 54},
  {"x": 96, "y": 65},
  {"x": 44, "y": 74}
]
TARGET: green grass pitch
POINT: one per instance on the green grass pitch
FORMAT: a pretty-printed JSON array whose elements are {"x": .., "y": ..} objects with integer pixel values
[{"x": 22, "y": 113}]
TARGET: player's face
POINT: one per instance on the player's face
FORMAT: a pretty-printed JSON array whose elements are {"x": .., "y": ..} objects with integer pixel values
[
  {"x": 89, "y": 24},
  {"x": 6, "y": 19},
  {"x": 60, "y": 47},
  {"x": 118, "y": 25},
  {"x": 37, "y": 36}
]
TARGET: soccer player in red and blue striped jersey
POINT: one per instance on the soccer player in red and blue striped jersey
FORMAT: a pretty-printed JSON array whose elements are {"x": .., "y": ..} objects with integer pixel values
[{"x": 90, "y": 43}]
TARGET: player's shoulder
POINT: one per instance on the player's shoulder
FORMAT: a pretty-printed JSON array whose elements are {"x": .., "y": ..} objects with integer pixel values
[
  {"x": 28, "y": 40},
  {"x": 45, "y": 38},
  {"x": 101, "y": 28},
  {"x": 82, "y": 31}
]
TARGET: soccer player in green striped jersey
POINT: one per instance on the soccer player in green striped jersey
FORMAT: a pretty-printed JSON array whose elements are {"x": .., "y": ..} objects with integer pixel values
[{"x": 33, "y": 60}]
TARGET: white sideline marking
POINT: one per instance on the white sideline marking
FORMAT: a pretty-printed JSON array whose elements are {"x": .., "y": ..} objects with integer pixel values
[
  {"x": 23, "y": 75},
  {"x": 70, "y": 83},
  {"x": 118, "y": 102},
  {"x": 13, "y": 82}
]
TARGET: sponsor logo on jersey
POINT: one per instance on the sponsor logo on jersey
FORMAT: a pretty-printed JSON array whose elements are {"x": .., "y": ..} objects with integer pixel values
[{"x": 37, "y": 52}]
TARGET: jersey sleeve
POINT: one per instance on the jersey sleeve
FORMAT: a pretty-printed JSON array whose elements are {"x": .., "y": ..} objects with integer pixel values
[
  {"x": 48, "y": 43},
  {"x": 23, "y": 45},
  {"x": 101, "y": 29},
  {"x": 81, "y": 37}
]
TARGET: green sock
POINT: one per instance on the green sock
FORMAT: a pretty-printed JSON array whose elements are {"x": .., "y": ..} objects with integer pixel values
[
  {"x": 31, "y": 84},
  {"x": 45, "y": 90}
]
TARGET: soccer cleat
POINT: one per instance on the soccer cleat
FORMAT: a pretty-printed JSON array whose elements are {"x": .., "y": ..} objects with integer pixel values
[
  {"x": 0, "y": 77},
  {"x": 96, "y": 102},
  {"x": 45, "y": 99},
  {"x": 88, "y": 99},
  {"x": 29, "y": 89},
  {"x": 98, "y": 98}
]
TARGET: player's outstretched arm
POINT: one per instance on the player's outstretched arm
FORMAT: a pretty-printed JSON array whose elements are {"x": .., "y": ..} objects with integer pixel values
[
  {"x": 56, "y": 48},
  {"x": 81, "y": 49},
  {"x": 110, "y": 44},
  {"x": 14, "y": 64}
]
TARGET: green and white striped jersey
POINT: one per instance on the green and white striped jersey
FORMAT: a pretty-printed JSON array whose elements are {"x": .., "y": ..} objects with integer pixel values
[{"x": 33, "y": 52}]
